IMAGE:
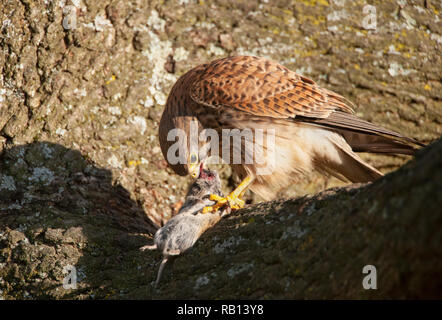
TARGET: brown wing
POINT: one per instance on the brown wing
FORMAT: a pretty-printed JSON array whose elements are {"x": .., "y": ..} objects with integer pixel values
[
  {"x": 364, "y": 136},
  {"x": 263, "y": 88}
]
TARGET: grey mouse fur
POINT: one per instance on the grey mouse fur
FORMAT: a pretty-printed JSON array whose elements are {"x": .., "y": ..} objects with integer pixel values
[{"x": 183, "y": 230}]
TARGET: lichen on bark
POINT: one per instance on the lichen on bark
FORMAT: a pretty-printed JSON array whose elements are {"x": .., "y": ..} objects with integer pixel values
[{"x": 83, "y": 180}]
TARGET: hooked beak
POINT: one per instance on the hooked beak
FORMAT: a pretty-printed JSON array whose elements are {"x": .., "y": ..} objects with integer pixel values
[{"x": 195, "y": 170}]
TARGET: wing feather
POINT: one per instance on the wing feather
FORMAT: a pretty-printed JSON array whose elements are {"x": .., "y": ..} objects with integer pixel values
[{"x": 264, "y": 88}]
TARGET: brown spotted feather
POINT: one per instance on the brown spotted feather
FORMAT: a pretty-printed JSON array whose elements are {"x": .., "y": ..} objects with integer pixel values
[
  {"x": 316, "y": 129},
  {"x": 263, "y": 88}
]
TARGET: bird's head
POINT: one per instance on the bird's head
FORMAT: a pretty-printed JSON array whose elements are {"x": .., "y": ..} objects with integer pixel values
[
  {"x": 185, "y": 158},
  {"x": 197, "y": 161},
  {"x": 181, "y": 146},
  {"x": 194, "y": 165}
]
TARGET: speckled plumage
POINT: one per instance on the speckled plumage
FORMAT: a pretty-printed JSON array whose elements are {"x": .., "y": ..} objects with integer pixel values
[{"x": 315, "y": 127}]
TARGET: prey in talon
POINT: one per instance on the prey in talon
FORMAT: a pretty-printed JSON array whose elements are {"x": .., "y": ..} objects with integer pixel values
[
  {"x": 286, "y": 124},
  {"x": 233, "y": 200},
  {"x": 182, "y": 231}
]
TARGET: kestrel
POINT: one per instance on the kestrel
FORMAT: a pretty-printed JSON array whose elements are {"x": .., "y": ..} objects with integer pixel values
[{"x": 312, "y": 128}]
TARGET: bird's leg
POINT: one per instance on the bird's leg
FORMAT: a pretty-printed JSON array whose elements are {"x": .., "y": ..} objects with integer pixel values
[
  {"x": 242, "y": 193},
  {"x": 233, "y": 199}
]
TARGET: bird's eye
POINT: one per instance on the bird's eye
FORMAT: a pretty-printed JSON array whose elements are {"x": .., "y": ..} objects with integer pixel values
[{"x": 193, "y": 158}]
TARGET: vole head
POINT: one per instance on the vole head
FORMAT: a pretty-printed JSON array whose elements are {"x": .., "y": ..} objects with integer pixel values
[{"x": 208, "y": 175}]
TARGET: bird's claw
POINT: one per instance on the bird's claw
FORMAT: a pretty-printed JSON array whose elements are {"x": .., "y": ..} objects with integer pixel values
[{"x": 232, "y": 200}]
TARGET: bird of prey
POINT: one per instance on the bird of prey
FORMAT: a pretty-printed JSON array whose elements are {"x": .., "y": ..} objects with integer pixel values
[{"x": 313, "y": 128}]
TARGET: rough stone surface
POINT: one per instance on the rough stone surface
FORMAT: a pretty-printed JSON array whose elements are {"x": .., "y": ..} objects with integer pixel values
[
  {"x": 308, "y": 247},
  {"x": 82, "y": 178}
]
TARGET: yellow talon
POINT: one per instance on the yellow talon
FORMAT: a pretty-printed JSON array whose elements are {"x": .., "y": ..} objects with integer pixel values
[
  {"x": 233, "y": 199},
  {"x": 235, "y": 202},
  {"x": 217, "y": 198},
  {"x": 220, "y": 201},
  {"x": 210, "y": 209}
]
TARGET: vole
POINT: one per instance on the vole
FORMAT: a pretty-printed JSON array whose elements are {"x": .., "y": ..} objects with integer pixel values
[{"x": 183, "y": 230}]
